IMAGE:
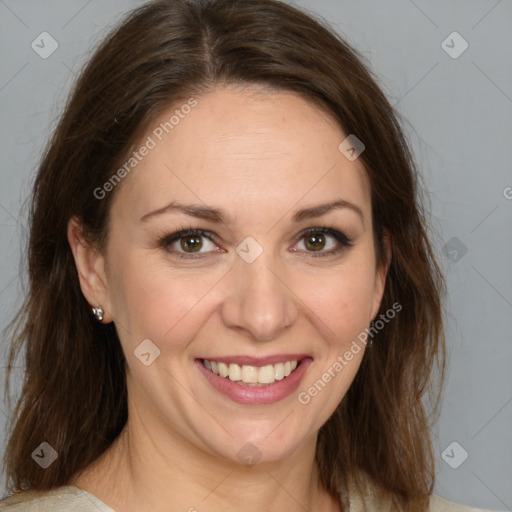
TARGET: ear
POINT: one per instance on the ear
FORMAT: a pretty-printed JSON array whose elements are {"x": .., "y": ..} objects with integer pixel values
[
  {"x": 381, "y": 274},
  {"x": 90, "y": 265}
]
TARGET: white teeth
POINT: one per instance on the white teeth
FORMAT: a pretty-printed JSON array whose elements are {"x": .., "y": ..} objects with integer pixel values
[
  {"x": 223, "y": 370},
  {"x": 266, "y": 374},
  {"x": 279, "y": 371},
  {"x": 235, "y": 372},
  {"x": 252, "y": 374}
]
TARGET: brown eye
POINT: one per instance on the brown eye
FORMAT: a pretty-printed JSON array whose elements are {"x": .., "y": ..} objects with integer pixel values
[
  {"x": 314, "y": 242},
  {"x": 323, "y": 241},
  {"x": 191, "y": 243}
]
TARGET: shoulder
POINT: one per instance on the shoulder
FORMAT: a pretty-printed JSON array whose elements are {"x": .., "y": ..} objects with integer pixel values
[
  {"x": 61, "y": 499},
  {"x": 438, "y": 504},
  {"x": 361, "y": 495}
]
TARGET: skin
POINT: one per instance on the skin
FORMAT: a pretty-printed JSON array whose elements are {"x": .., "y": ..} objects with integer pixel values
[{"x": 260, "y": 156}]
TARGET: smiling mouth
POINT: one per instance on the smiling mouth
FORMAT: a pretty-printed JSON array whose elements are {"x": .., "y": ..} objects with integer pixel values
[{"x": 255, "y": 376}]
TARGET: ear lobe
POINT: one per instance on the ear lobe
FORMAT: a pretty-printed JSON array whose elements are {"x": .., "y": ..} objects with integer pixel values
[
  {"x": 381, "y": 274},
  {"x": 90, "y": 265},
  {"x": 387, "y": 239}
]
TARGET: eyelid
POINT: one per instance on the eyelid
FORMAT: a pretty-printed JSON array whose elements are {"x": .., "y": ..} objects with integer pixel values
[
  {"x": 335, "y": 233},
  {"x": 182, "y": 233}
]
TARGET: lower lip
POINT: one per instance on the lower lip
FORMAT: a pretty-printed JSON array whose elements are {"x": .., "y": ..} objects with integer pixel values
[{"x": 252, "y": 395}]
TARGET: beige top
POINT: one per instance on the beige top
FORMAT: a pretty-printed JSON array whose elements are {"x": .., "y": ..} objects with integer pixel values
[{"x": 72, "y": 499}]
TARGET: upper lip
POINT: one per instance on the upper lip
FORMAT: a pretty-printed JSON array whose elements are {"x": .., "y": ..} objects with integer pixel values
[{"x": 258, "y": 361}]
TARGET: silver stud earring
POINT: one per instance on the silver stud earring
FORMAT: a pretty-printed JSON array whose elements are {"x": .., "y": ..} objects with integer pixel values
[{"x": 98, "y": 313}]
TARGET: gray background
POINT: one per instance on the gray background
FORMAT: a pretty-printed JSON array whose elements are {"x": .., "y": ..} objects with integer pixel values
[{"x": 459, "y": 113}]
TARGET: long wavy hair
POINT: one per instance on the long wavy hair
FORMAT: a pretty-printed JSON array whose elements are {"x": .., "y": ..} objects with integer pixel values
[{"x": 74, "y": 390}]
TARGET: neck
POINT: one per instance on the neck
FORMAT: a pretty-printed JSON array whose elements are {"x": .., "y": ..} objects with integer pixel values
[{"x": 139, "y": 473}]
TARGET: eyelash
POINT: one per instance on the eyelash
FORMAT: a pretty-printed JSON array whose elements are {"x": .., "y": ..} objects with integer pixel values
[{"x": 166, "y": 240}]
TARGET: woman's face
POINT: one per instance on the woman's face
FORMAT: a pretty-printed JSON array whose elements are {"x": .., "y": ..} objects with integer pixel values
[{"x": 250, "y": 294}]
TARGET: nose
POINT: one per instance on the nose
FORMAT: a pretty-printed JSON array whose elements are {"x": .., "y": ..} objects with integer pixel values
[{"x": 259, "y": 303}]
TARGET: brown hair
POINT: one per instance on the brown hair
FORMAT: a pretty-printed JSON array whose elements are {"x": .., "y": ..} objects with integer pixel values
[{"x": 74, "y": 391}]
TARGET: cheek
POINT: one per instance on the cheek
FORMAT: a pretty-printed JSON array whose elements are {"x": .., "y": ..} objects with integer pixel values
[
  {"x": 341, "y": 304},
  {"x": 153, "y": 301},
  {"x": 342, "y": 300}
]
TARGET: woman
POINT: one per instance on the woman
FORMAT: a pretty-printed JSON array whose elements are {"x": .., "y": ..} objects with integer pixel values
[{"x": 233, "y": 298}]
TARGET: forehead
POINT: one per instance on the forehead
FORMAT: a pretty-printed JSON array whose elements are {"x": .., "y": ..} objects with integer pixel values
[{"x": 247, "y": 150}]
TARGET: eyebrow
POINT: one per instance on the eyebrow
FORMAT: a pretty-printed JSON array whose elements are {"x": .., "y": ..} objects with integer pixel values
[{"x": 220, "y": 216}]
